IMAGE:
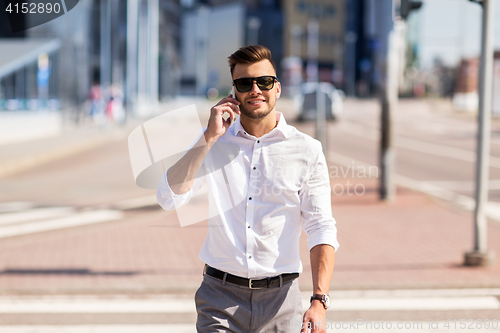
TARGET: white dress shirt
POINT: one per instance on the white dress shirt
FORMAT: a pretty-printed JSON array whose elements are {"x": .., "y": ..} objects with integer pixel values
[{"x": 277, "y": 185}]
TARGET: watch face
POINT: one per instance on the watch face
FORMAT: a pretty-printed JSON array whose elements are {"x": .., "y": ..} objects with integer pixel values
[{"x": 327, "y": 301}]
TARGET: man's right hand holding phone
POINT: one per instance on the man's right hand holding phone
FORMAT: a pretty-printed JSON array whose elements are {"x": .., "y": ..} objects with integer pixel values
[
  {"x": 182, "y": 174},
  {"x": 217, "y": 126}
]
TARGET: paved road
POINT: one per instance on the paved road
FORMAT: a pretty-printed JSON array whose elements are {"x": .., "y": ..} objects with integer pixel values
[
  {"x": 433, "y": 143},
  {"x": 435, "y": 148}
]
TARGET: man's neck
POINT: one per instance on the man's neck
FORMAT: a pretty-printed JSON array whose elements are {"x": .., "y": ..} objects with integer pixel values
[{"x": 259, "y": 127}]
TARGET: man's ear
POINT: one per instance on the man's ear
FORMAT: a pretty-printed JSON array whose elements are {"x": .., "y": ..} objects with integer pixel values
[{"x": 278, "y": 90}]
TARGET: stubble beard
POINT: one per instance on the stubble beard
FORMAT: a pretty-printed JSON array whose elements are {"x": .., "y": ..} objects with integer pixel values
[{"x": 257, "y": 115}]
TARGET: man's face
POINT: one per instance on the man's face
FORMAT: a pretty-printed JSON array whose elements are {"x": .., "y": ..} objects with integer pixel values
[{"x": 256, "y": 103}]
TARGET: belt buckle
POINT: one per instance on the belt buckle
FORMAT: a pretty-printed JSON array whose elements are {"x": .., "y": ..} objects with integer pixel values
[
  {"x": 252, "y": 287},
  {"x": 250, "y": 284}
]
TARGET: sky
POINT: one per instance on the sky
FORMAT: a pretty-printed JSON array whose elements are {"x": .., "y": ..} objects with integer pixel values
[{"x": 450, "y": 30}]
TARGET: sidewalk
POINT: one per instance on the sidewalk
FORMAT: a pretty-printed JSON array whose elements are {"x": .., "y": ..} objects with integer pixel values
[
  {"x": 417, "y": 242},
  {"x": 26, "y": 154},
  {"x": 30, "y": 139}
]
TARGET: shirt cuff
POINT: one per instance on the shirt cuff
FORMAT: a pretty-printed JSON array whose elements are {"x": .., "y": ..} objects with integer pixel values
[
  {"x": 322, "y": 236},
  {"x": 167, "y": 198}
]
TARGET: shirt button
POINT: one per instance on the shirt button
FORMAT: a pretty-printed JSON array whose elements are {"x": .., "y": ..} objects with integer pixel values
[
  {"x": 248, "y": 227},
  {"x": 249, "y": 257},
  {"x": 254, "y": 168},
  {"x": 250, "y": 198},
  {"x": 245, "y": 132},
  {"x": 258, "y": 141}
]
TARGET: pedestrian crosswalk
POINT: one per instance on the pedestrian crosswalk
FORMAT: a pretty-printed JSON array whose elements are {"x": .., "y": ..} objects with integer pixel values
[
  {"x": 413, "y": 300},
  {"x": 21, "y": 218},
  {"x": 412, "y": 327},
  {"x": 177, "y": 328},
  {"x": 37, "y": 214},
  {"x": 182, "y": 306}
]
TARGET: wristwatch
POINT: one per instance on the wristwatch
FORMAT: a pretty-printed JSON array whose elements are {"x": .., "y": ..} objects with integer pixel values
[{"x": 323, "y": 298}]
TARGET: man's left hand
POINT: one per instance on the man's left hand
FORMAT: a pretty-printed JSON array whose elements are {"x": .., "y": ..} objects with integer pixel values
[{"x": 314, "y": 318}]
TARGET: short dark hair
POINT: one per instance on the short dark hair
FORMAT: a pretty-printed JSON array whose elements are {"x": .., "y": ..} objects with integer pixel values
[{"x": 250, "y": 54}]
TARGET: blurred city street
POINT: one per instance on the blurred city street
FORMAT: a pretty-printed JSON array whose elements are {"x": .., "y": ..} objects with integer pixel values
[
  {"x": 404, "y": 96},
  {"x": 83, "y": 249}
]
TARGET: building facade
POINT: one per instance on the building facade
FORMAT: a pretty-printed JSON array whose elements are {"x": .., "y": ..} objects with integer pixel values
[{"x": 133, "y": 44}]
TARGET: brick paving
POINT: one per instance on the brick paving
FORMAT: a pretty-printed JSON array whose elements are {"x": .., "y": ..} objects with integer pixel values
[{"x": 416, "y": 242}]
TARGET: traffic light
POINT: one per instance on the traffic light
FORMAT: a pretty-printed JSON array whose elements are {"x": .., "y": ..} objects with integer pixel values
[
  {"x": 477, "y": 1},
  {"x": 407, "y": 6}
]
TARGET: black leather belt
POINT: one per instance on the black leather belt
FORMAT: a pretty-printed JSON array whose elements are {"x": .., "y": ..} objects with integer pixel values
[{"x": 275, "y": 281}]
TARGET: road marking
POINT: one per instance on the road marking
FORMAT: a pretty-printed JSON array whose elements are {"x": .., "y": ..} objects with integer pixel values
[
  {"x": 492, "y": 209},
  {"x": 463, "y": 185},
  {"x": 418, "y": 145},
  {"x": 413, "y": 303},
  {"x": 85, "y": 305},
  {"x": 383, "y": 293},
  {"x": 13, "y": 206},
  {"x": 177, "y": 328},
  {"x": 135, "y": 203},
  {"x": 35, "y": 214},
  {"x": 358, "y": 326},
  {"x": 394, "y": 300},
  {"x": 466, "y": 202},
  {"x": 79, "y": 219},
  {"x": 186, "y": 305}
]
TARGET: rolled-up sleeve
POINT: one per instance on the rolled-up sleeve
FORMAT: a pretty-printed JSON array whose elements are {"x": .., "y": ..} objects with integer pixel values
[
  {"x": 167, "y": 198},
  {"x": 315, "y": 204}
]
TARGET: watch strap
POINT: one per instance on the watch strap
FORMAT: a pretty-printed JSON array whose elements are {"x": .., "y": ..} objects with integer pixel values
[{"x": 319, "y": 297}]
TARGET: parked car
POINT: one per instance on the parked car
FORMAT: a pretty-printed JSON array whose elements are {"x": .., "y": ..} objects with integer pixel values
[{"x": 306, "y": 100}]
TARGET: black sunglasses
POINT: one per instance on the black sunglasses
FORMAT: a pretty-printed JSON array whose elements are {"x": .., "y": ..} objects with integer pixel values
[{"x": 245, "y": 84}]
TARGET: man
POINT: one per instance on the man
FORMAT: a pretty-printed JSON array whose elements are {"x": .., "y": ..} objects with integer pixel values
[{"x": 252, "y": 250}]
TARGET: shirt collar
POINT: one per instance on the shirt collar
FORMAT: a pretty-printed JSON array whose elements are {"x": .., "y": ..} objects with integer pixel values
[{"x": 282, "y": 126}]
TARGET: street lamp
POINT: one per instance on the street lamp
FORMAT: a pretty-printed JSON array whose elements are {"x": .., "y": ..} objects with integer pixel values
[{"x": 407, "y": 6}]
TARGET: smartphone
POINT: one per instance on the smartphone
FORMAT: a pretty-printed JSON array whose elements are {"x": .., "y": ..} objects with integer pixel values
[{"x": 233, "y": 95}]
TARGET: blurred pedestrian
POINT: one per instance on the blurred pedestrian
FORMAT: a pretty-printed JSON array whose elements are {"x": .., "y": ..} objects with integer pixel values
[
  {"x": 43, "y": 76},
  {"x": 114, "y": 106},
  {"x": 95, "y": 98},
  {"x": 252, "y": 250}
]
